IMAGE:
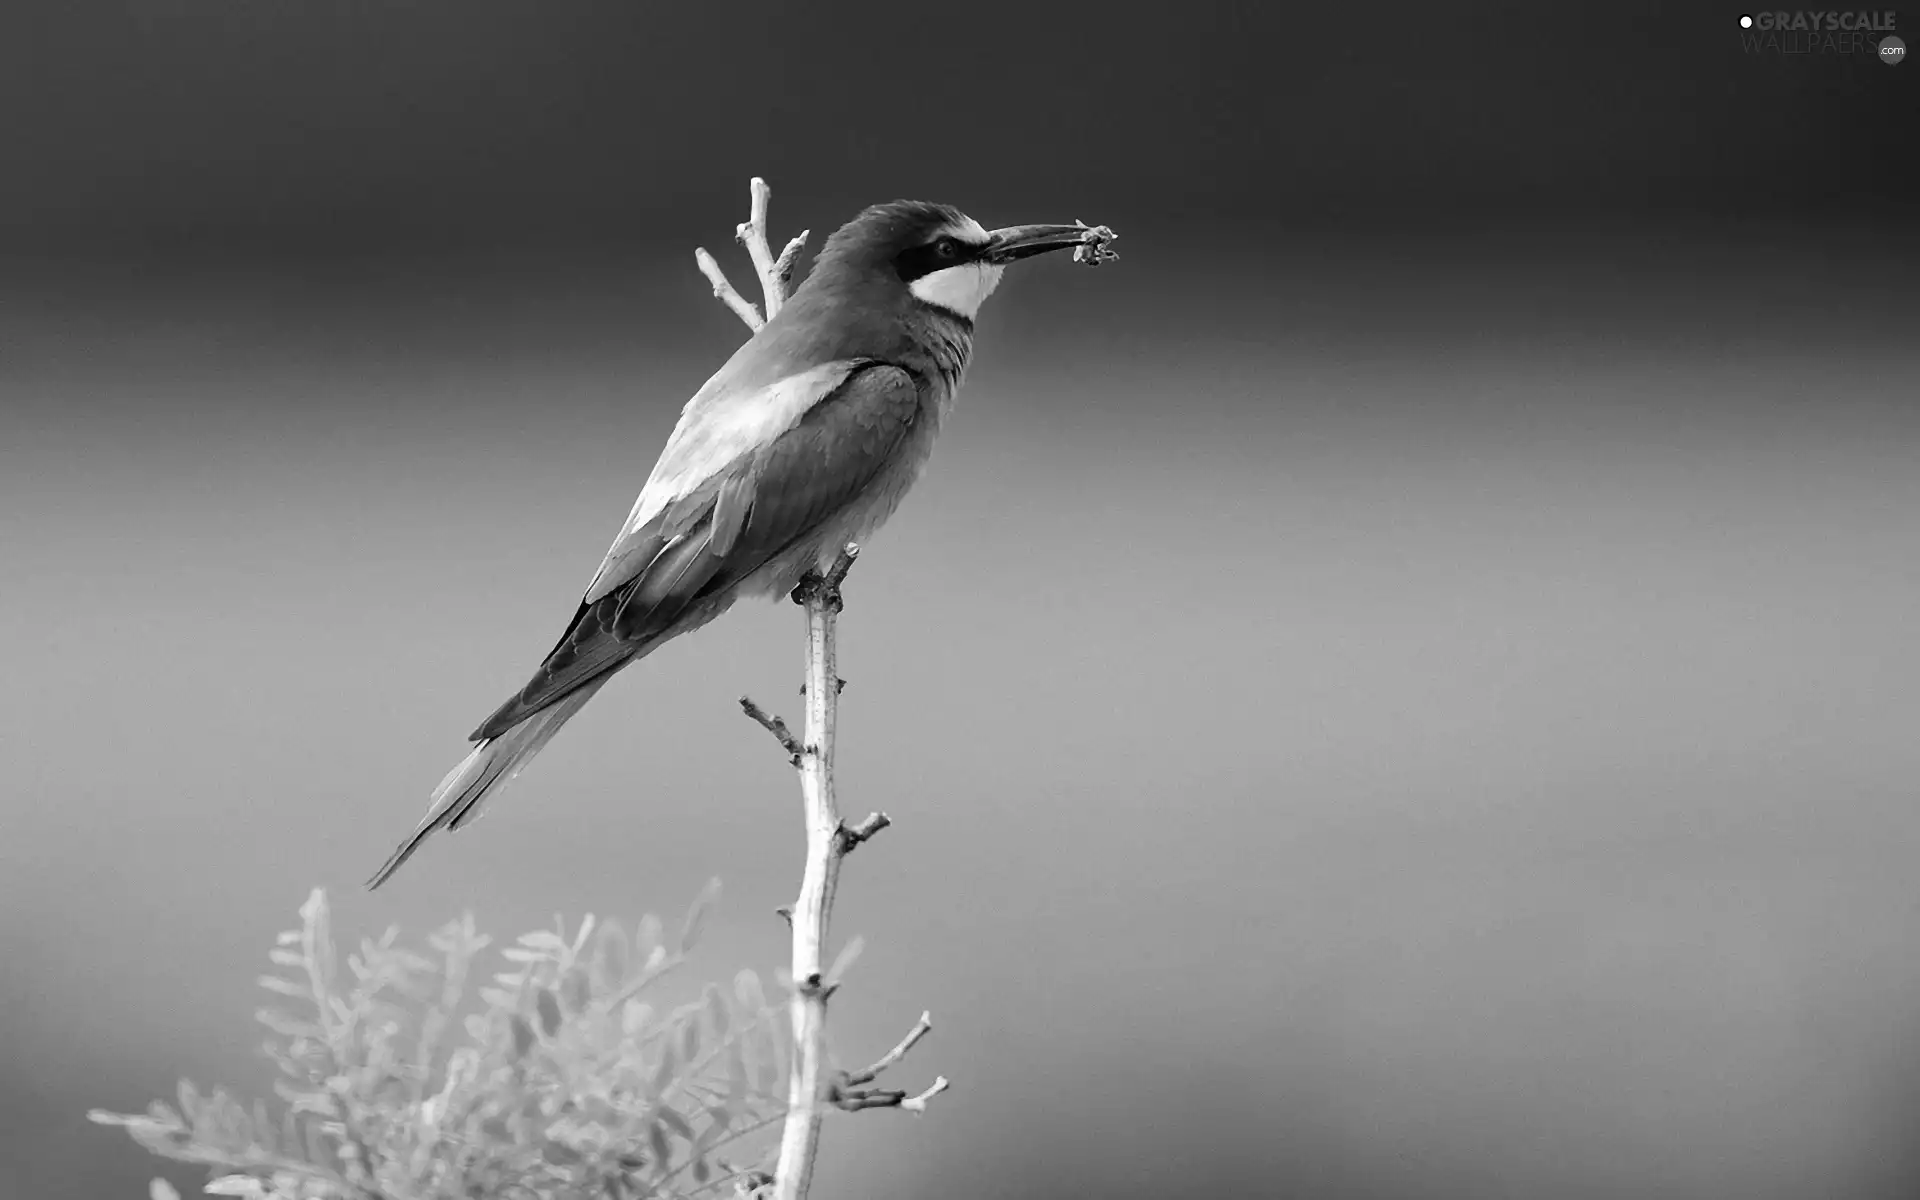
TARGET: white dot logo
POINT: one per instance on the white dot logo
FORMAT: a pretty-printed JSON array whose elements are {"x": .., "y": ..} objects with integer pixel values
[
  {"x": 1746, "y": 22},
  {"x": 1893, "y": 51}
]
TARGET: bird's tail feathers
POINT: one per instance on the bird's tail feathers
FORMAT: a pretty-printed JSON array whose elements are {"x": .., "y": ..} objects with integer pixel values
[{"x": 461, "y": 796}]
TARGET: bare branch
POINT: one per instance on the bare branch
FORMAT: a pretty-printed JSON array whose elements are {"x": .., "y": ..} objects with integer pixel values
[
  {"x": 851, "y": 836},
  {"x": 775, "y": 275},
  {"x": 789, "y": 261},
  {"x": 860, "y": 1099},
  {"x": 921, "y": 1028},
  {"x": 741, "y": 306},
  {"x": 837, "y": 575},
  {"x": 918, "y": 1104},
  {"x": 810, "y": 1086},
  {"x": 752, "y": 233},
  {"x": 775, "y": 726}
]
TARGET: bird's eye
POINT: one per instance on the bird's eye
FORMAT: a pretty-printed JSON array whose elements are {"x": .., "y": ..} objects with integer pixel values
[{"x": 946, "y": 247}]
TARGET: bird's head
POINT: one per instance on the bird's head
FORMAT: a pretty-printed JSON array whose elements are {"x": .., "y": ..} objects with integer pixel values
[{"x": 933, "y": 253}]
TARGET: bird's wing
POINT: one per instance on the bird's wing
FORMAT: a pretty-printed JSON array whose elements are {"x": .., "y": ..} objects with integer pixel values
[
  {"x": 717, "y": 426},
  {"x": 725, "y": 517}
]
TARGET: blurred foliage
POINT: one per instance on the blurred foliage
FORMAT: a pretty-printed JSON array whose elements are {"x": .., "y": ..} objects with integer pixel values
[{"x": 561, "y": 1081}]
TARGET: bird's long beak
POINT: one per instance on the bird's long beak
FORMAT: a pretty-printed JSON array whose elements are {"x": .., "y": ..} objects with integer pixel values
[{"x": 1025, "y": 241}]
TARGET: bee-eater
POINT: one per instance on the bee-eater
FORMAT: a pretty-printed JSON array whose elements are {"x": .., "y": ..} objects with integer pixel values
[{"x": 805, "y": 440}]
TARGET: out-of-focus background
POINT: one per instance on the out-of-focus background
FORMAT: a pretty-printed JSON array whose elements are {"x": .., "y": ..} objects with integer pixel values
[{"x": 1405, "y": 686}]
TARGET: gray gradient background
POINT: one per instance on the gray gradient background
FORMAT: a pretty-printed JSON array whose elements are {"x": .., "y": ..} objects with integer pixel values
[{"x": 1404, "y": 687}]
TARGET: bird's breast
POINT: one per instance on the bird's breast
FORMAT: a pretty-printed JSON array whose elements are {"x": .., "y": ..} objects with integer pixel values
[
  {"x": 941, "y": 374},
  {"x": 944, "y": 345}
]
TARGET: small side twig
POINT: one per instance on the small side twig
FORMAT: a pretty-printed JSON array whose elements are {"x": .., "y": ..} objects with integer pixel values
[
  {"x": 921, "y": 1028},
  {"x": 918, "y": 1104},
  {"x": 789, "y": 261},
  {"x": 775, "y": 275},
  {"x": 849, "y": 1093},
  {"x": 777, "y": 727},
  {"x": 853, "y": 835},
  {"x": 752, "y": 233},
  {"x": 837, "y": 574},
  {"x": 858, "y": 1100},
  {"x": 741, "y": 306}
]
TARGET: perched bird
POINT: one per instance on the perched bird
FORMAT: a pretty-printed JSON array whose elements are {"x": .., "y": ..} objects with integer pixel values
[{"x": 806, "y": 439}]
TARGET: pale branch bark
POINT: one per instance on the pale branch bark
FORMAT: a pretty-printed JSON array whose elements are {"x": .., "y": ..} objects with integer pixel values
[
  {"x": 788, "y": 261},
  {"x": 853, "y": 835},
  {"x": 918, "y": 1104},
  {"x": 848, "y": 1089},
  {"x": 860, "y": 1099},
  {"x": 921, "y": 1028},
  {"x": 741, "y": 306},
  {"x": 800, "y": 1140},
  {"x": 752, "y": 232},
  {"x": 828, "y": 587},
  {"x": 775, "y": 726},
  {"x": 812, "y": 1086},
  {"x": 775, "y": 275}
]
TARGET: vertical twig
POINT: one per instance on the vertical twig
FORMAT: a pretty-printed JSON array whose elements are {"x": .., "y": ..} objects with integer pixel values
[
  {"x": 807, "y": 1091},
  {"x": 752, "y": 233},
  {"x": 812, "y": 1087},
  {"x": 775, "y": 274}
]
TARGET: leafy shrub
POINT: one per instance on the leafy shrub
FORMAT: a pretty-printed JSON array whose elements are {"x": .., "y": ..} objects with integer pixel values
[{"x": 562, "y": 1082}]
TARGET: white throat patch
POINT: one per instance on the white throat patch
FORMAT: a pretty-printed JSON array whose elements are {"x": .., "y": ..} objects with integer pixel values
[{"x": 960, "y": 289}]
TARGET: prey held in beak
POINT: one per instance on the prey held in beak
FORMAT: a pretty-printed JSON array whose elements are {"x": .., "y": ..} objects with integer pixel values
[{"x": 1089, "y": 242}]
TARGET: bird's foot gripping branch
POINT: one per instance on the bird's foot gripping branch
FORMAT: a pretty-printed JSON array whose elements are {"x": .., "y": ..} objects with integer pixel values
[{"x": 816, "y": 588}]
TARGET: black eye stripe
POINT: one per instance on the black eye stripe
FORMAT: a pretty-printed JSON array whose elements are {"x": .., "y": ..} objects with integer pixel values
[{"x": 927, "y": 258}]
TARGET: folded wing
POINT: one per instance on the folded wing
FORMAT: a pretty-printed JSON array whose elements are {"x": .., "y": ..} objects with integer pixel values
[{"x": 738, "y": 484}]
